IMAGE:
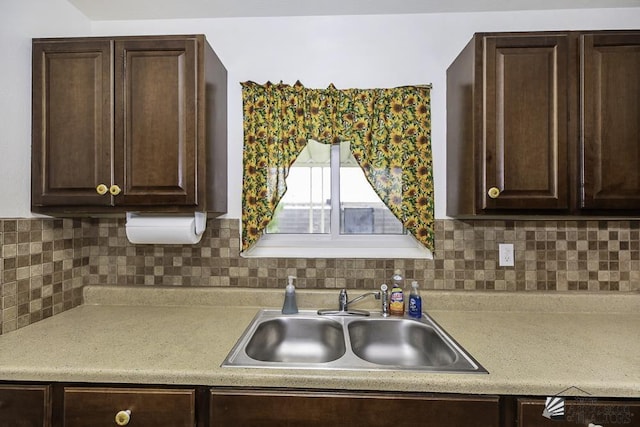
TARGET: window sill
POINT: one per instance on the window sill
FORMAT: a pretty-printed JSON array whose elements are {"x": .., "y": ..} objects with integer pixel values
[{"x": 322, "y": 246}]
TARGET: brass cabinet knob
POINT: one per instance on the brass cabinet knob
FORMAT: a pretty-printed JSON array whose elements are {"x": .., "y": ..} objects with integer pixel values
[
  {"x": 114, "y": 190},
  {"x": 493, "y": 192},
  {"x": 102, "y": 189},
  {"x": 123, "y": 417}
]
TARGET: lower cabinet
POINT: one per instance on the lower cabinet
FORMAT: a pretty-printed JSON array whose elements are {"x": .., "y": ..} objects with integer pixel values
[
  {"x": 574, "y": 412},
  {"x": 312, "y": 408},
  {"x": 25, "y": 406},
  {"x": 93, "y": 405},
  {"x": 140, "y": 407}
]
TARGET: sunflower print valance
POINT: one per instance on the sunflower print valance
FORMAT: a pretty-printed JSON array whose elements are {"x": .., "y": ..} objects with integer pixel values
[{"x": 389, "y": 131}]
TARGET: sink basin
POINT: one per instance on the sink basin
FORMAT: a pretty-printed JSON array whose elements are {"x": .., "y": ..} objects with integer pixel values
[
  {"x": 399, "y": 342},
  {"x": 297, "y": 340},
  {"x": 310, "y": 341}
]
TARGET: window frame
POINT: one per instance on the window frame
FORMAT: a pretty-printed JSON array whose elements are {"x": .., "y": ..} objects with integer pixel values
[{"x": 334, "y": 244}]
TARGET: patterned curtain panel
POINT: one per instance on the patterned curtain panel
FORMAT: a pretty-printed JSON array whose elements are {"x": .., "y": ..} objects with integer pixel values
[{"x": 390, "y": 135}]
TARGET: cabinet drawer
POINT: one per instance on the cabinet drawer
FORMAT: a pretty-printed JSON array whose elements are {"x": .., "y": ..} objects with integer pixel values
[
  {"x": 97, "y": 407},
  {"x": 271, "y": 408},
  {"x": 581, "y": 412},
  {"x": 24, "y": 406}
]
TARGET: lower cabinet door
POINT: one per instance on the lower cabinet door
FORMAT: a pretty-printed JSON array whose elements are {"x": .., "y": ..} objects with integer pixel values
[
  {"x": 139, "y": 407},
  {"x": 25, "y": 406},
  {"x": 573, "y": 412},
  {"x": 288, "y": 409}
]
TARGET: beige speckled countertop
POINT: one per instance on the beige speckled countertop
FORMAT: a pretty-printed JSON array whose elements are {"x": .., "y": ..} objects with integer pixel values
[{"x": 531, "y": 344}]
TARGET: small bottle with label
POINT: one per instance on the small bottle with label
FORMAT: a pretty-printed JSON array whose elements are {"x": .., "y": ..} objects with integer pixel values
[
  {"x": 398, "y": 281},
  {"x": 396, "y": 301},
  {"x": 415, "y": 301}
]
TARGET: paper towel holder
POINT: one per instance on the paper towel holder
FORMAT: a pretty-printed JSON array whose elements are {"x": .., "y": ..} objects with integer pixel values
[
  {"x": 200, "y": 220},
  {"x": 200, "y": 217}
]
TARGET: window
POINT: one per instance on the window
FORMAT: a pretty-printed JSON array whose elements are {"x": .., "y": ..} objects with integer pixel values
[
  {"x": 340, "y": 200},
  {"x": 330, "y": 203}
]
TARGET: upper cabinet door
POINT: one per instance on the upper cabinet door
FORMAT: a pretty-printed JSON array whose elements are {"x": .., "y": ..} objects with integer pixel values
[
  {"x": 525, "y": 131},
  {"x": 156, "y": 128},
  {"x": 610, "y": 103},
  {"x": 72, "y": 122}
]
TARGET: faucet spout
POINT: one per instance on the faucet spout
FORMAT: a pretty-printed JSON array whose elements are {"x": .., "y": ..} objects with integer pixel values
[
  {"x": 376, "y": 295},
  {"x": 344, "y": 303}
]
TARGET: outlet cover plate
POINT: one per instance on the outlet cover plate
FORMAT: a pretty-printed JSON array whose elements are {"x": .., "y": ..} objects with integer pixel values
[{"x": 506, "y": 257}]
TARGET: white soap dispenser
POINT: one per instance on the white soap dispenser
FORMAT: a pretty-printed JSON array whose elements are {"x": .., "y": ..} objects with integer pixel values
[{"x": 290, "y": 306}]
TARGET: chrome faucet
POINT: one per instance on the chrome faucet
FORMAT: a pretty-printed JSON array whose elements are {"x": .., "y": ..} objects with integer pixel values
[
  {"x": 384, "y": 291},
  {"x": 344, "y": 303}
]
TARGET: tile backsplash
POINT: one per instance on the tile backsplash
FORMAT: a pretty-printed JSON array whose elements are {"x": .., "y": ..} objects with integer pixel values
[
  {"x": 41, "y": 263},
  {"x": 45, "y": 262}
]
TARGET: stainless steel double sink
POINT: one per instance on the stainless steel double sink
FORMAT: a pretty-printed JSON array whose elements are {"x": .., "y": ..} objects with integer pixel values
[{"x": 310, "y": 341}]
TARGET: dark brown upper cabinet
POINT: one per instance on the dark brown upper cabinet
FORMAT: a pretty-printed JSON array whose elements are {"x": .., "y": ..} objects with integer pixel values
[
  {"x": 610, "y": 120},
  {"x": 544, "y": 124},
  {"x": 128, "y": 123}
]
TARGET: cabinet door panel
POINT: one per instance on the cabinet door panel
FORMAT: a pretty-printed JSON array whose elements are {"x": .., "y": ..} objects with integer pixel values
[
  {"x": 611, "y": 121},
  {"x": 156, "y": 122},
  {"x": 266, "y": 409},
  {"x": 25, "y": 406},
  {"x": 97, "y": 407},
  {"x": 72, "y": 122},
  {"x": 580, "y": 413},
  {"x": 524, "y": 140}
]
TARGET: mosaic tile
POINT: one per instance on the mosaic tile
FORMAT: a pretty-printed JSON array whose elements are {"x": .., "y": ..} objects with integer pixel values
[{"x": 45, "y": 262}]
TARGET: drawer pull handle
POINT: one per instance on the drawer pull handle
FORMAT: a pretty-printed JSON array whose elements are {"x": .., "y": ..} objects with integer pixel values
[
  {"x": 114, "y": 190},
  {"x": 123, "y": 417},
  {"x": 493, "y": 192},
  {"x": 102, "y": 189}
]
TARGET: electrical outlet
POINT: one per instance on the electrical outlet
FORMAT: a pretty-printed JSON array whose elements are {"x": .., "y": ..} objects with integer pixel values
[{"x": 505, "y": 255}]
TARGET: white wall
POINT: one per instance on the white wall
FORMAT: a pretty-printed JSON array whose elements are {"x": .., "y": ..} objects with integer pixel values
[
  {"x": 21, "y": 20},
  {"x": 349, "y": 51}
]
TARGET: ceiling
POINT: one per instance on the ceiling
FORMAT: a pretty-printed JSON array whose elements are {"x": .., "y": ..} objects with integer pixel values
[{"x": 99, "y": 10}]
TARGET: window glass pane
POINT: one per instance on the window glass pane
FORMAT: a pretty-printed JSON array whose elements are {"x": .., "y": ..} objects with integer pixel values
[
  {"x": 361, "y": 210},
  {"x": 306, "y": 206}
]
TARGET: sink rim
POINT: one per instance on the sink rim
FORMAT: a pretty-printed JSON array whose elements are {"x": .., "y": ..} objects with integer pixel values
[{"x": 238, "y": 358}]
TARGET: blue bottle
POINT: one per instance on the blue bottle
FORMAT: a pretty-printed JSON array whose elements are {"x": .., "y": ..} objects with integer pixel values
[{"x": 415, "y": 301}]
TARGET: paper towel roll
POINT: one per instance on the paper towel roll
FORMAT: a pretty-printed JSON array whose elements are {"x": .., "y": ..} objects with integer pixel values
[{"x": 167, "y": 230}]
